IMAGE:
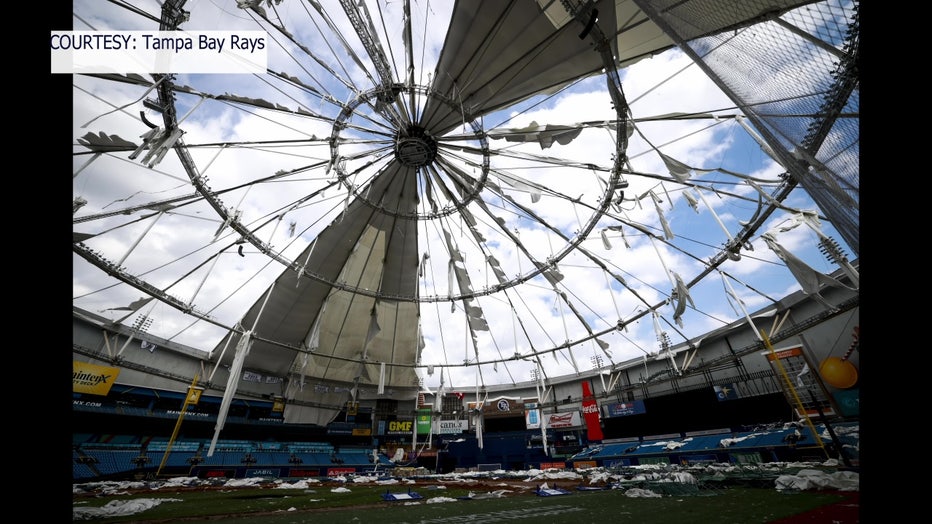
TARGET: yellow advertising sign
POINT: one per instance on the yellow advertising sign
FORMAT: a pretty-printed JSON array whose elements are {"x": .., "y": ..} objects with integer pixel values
[
  {"x": 91, "y": 378},
  {"x": 194, "y": 395}
]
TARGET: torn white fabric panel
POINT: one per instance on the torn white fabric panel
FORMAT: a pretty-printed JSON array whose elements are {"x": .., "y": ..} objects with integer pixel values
[
  {"x": 621, "y": 232},
  {"x": 313, "y": 339},
  {"x": 471, "y": 223},
  {"x": 420, "y": 269},
  {"x": 429, "y": 191},
  {"x": 667, "y": 231},
  {"x": 679, "y": 170},
  {"x": 451, "y": 280},
  {"x": 455, "y": 255},
  {"x": 478, "y": 323},
  {"x": 236, "y": 370},
  {"x": 496, "y": 268},
  {"x": 462, "y": 278},
  {"x": 544, "y": 135},
  {"x": 682, "y": 298},
  {"x": 103, "y": 142},
  {"x": 374, "y": 327},
  {"x": 553, "y": 276},
  {"x": 691, "y": 200},
  {"x": 809, "y": 279},
  {"x": 521, "y": 184},
  {"x": 467, "y": 216},
  {"x": 833, "y": 251},
  {"x": 799, "y": 377}
]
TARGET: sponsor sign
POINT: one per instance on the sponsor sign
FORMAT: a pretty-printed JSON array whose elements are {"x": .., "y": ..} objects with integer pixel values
[
  {"x": 784, "y": 353},
  {"x": 562, "y": 420},
  {"x": 194, "y": 395},
  {"x": 263, "y": 472},
  {"x": 532, "y": 419},
  {"x": 300, "y": 472},
  {"x": 590, "y": 409},
  {"x": 445, "y": 427},
  {"x": 726, "y": 392},
  {"x": 91, "y": 378},
  {"x": 399, "y": 427},
  {"x": 335, "y": 472},
  {"x": 622, "y": 409},
  {"x": 423, "y": 421},
  {"x": 499, "y": 407}
]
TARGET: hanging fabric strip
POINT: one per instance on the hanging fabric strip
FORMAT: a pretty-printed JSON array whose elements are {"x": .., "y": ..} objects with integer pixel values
[
  {"x": 667, "y": 232},
  {"x": 381, "y": 390},
  {"x": 236, "y": 369},
  {"x": 420, "y": 269},
  {"x": 544, "y": 135},
  {"x": 682, "y": 297},
  {"x": 679, "y": 170},
  {"x": 496, "y": 268},
  {"x": 374, "y": 327},
  {"x": 691, "y": 200},
  {"x": 809, "y": 279}
]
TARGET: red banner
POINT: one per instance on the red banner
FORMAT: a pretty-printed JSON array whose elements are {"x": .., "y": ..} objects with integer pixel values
[{"x": 590, "y": 409}]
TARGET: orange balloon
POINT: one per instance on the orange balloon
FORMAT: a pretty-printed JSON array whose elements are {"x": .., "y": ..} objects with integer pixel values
[{"x": 839, "y": 373}]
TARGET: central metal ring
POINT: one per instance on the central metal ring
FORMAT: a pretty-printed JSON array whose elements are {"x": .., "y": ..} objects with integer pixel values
[{"x": 414, "y": 147}]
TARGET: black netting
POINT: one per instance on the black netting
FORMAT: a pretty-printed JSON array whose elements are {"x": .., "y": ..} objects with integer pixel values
[{"x": 796, "y": 77}]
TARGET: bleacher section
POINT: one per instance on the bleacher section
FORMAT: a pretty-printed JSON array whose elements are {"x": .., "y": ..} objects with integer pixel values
[
  {"x": 122, "y": 456},
  {"x": 104, "y": 457},
  {"x": 738, "y": 447},
  {"x": 112, "y": 461}
]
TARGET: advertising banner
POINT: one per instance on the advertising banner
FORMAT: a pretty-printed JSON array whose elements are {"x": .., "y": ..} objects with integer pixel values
[
  {"x": 622, "y": 409},
  {"x": 445, "y": 427},
  {"x": 423, "y": 421},
  {"x": 399, "y": 427},
  {"x": 194, "y": 395},
  {"x": 500, "y": 407},
  {"x": 532, "y": 419},
  {"x": 590, "y": 409},
  {"x": 562, "y": 420},
  {"x": 91, "y": 378},
  {"x": 726, "y": 392}
]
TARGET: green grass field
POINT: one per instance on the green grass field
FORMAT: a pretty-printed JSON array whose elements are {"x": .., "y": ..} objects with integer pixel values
[{"x": 364, "y": 504}]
